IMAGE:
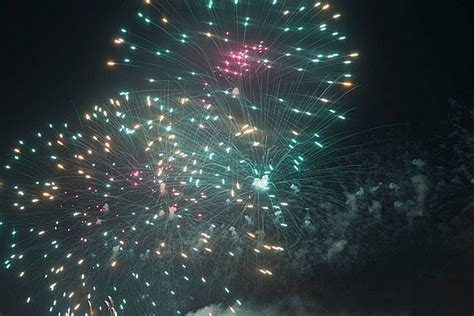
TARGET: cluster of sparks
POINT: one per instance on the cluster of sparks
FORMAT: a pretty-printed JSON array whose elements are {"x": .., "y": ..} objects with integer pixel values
[
  {"x": 241, "y": 62},
  {"x": 155, "y": 194}
]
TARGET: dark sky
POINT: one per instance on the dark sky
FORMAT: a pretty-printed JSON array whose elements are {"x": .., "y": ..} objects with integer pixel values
[{"x": 414, "y": 56}]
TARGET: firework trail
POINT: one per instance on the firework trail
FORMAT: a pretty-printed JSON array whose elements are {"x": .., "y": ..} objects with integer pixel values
[{"x": 198, "y": 175}]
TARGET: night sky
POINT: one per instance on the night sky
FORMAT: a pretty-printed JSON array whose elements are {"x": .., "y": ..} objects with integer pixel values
[{"x": 415, "y": 55}]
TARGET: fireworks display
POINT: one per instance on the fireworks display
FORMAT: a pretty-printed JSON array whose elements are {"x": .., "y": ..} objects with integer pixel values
[{"x": 165, "y": 197}]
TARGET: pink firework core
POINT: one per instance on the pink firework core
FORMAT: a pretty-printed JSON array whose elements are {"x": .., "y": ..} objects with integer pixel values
[{"x": 247, "y": 59}]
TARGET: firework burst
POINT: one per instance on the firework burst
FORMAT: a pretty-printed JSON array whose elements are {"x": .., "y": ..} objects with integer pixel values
[{"x": 158, "y": 200}]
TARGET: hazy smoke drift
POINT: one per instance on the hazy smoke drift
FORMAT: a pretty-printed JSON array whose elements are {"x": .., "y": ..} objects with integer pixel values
[{"x": 295, "y": 306}]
